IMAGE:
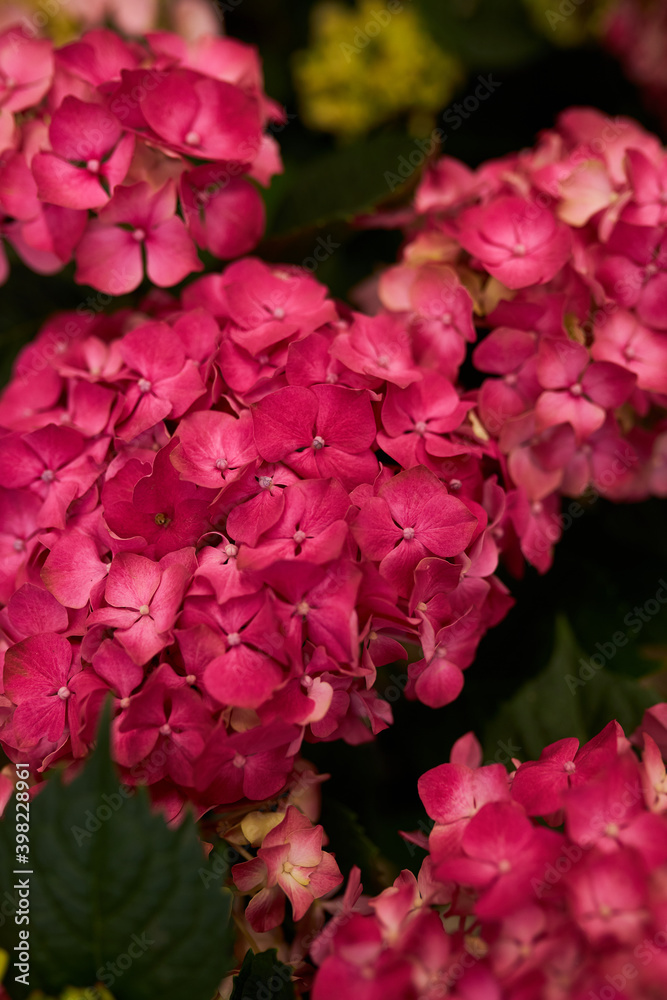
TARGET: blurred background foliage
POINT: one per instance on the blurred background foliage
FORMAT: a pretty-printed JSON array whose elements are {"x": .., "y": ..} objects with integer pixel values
[{"x": 357, "y": 100}]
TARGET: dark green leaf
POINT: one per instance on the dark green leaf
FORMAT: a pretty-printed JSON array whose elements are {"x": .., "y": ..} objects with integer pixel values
[
  {"x": 263, "y": 977},
  {"x": 485, "y": 34},
  {"x": 116, "y": 895},
  {"x": 351, "y": 844},
  {"x": 347, "y": 181},
  {"x": 570, "y": 697}
]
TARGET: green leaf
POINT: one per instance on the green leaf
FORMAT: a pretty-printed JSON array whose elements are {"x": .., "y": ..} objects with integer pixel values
[
  {"x": 568, "y": 698},
  {"x": 485, "y": 34},
  {"x": 116, "y": 895},
  {"x": 348, "y": 181},
  {"x": 351, "y": 845},
  {"x": 263, "y": 977}
]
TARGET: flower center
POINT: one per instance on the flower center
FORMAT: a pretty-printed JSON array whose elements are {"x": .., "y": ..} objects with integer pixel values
[
  {"x": 279, "y": 313},
  {"x": 299, "y": 536},
  {"x": 48, "y": 475},
  {"x": 519, "y": 250},
  {"x": 19, "y": 545},
  {"x": 93, "y": 166},
  {"x": 536, "y": 507},
  {"x": 612, "y": 830},
  {"x": 265, "y": 482},
  {"x": 569, "y": 767},
  {"x": 382, "y": 361},
  {"x": 302, "y": 608},
  {"x": 239, "y": 760},
  {"x": 408, "y": 534},
  {"x": 190, "y": 678},
  {"x": 318, "y": 442},
  {"x": 165, "y": 730},
  {"x": 421, "y": 606},
  {"x": 420, "y": 427},
  {"x": 511, "y": 379},
  {"x": 446, "y": 318},
  {"x": 193, "y": 139},
  {"x": 64, "y": 692},
  {"x": 124, "y": 702},
  {"x": 144, "y": 609},
  {"x": 231, "y": 550},
  {"x": 162, "y": 520},
  {"x": 331, "y": 378},
  {"x": 504, "y": 866},
  {"x": 139, "y": 235},
  {"x": 222, "y": 464},
  {"x": 143, "y": 385},
  {"x": 233, "y": 639},
  {"x": 455, "y": 484},
  {"x": 576, "y": 389}
]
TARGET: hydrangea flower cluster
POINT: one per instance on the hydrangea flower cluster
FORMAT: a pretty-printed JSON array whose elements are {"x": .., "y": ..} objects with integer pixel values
[
  {"x": 546, "y": 882},
  {"x": 561, "y": 249},
  {"x": 128, "y": 155},
  {"x": 228, "y": 512}
]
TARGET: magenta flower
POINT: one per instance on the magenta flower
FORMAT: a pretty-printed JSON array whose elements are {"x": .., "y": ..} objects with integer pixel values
[
  {"x": 416, "y": 418},
  {"x": 225, "y": 215},
  {"x": 577, "y": 392},
  {"x": 254, "y": 764},
  {"x": 54, "y": 463},
  {"x": 195, "y": 115},
  {"x": 168, "y": 383},
  {"x": 136, "y": 221},
  {"x": 143, "y": 598},
  {"x": 37, "y": 675},
  {"x": 378, "y": 346},
  {"x": 539, "y": 785},
  {"x": 516, "y": 240},
  {"x": 311, "y": 527},
  {"x": 213, "y": 448},
  {"x": 452, "y": 794},
  {"x": 165, "y": 714},
  {"x": 501, "y": 852},
  {"x": 26, "y": 69},
  {"x": 290, "y": 858},
  {"x": 634, "y": 271},
  {"x": 90, "y": 156},
  {"x": 624, "y": 341},
  {"x": 322, "y": 432},
  {"x": 73, "y": 570},
  {"x": 269, "y": 304},
  {"x": 608, "y": 898},
  {"x": 249, "y": 670},
  {"x": 165, "y": 512},
  {"x": 413, "y": 516}
]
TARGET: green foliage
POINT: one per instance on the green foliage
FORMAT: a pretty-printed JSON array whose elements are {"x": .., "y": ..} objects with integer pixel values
[
  {"x": 263, "y": 977},
  {"x": 568, "y": 698},
  {"x": 346, "y": 182},
  {"x": 116, "y": 896},
  {"x": 484, "y": 34}
]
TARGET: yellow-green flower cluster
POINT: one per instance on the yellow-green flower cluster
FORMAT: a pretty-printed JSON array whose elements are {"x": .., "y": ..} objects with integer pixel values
[{"x": 368, "y": 64}]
